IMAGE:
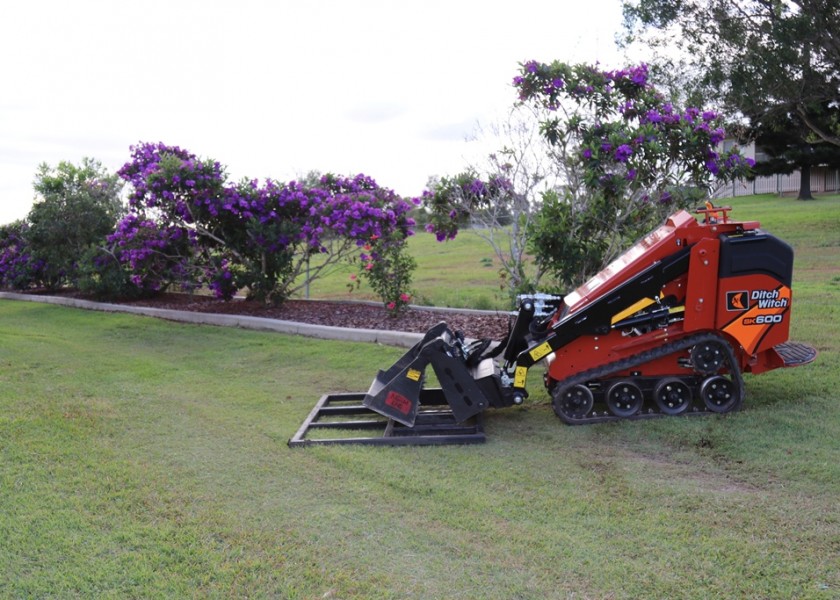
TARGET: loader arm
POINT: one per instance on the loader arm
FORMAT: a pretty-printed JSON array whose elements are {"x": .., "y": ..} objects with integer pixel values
[{"x": 596, "y": 317}]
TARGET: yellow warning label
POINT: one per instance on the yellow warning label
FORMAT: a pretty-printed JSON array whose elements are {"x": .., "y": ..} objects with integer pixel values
[
  {"x": 413, "y": 374},
  {"x": 520, "y": 376},
  {"x": 540, "y": 351}
]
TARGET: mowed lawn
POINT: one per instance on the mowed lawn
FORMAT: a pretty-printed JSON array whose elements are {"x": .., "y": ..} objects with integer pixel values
[
  {"x": 146, "y": 459},
  {"x": 460, "y": 273}
]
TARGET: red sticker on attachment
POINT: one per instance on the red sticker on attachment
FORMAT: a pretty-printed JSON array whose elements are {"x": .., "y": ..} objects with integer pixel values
[{"x": 398, "y": 402}]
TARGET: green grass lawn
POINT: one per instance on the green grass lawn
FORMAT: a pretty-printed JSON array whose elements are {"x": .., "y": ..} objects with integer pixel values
[
  {"x": 142, "y": 458},
  {"x": 462, "y": 273}
]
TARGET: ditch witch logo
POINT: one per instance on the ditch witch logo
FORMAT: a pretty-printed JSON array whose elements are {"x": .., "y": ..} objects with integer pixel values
[
  {"x": 740, "y": 301},
  {"x": 737, "y": 301}
]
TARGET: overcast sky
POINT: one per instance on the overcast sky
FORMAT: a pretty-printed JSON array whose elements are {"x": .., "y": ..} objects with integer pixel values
[{"x": 274, "y": 89}]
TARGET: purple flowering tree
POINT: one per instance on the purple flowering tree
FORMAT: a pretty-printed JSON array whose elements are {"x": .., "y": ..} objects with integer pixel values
[
  {"x": 19, "y": 269},
  {"x": 267, "y": 238},
  {"x": 633, "y": 143},
  {"x": 639, "y": 158},
  {"x": 143, "y": 257}
]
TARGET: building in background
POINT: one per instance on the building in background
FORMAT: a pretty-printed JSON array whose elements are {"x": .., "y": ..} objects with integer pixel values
[{"x": 823, "y": 179}]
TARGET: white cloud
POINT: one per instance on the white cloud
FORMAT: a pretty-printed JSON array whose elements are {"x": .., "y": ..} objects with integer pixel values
[{"x": 273, "y": 88}]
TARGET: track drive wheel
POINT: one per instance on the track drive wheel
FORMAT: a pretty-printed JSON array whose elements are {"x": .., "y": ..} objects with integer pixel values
[
  {"x": 573, "y": 403},
  {"x": 719, "y": 394},
  {"x": 672, "y": 396},
  {"x": 707, "y": 357},
  {"x": 624, "y": 399}
]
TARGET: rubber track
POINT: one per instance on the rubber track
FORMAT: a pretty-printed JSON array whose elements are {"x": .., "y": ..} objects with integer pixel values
[{"x": 644, "y": 357}]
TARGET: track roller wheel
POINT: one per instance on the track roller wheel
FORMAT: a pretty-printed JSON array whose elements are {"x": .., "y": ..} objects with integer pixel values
[
  {"x": 707, "y": 357},
  {"x": 624, "y": 398},
  {"x": 672, "y": 396},
  {"x": 573, "y": 403},
  {"x": 719, "y": 394}
]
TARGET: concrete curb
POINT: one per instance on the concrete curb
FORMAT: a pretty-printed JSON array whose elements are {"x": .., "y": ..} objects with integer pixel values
[{"x": 390, "y": 338}]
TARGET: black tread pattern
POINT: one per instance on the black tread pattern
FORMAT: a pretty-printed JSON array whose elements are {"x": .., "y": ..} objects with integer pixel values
[{"x": 602, "y": 372}]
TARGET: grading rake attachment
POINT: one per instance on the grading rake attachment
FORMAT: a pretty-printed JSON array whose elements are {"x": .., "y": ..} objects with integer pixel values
[
  {"x": 666, "y": 329},
  {"x": 343, "y": 419},
  {"x": 400, "y": 410}
]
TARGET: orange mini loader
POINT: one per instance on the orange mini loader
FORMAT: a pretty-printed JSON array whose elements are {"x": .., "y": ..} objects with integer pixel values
[{"x": 666, "y": 329}]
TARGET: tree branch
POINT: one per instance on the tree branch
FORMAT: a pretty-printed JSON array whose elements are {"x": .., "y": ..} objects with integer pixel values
[{"x": 813, "y": 126}]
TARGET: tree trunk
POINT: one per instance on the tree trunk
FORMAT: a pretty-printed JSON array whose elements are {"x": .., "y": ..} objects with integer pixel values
[{"x": 805, "y": 183}]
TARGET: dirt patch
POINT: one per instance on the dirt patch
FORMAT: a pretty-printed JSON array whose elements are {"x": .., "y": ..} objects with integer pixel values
[{"x": 706, "y": 478}]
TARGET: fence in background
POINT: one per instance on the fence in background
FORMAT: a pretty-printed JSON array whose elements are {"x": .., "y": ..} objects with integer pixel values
[{"x": 822, "y": 180}]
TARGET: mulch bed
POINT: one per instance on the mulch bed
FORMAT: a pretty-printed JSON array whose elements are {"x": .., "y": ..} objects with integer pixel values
[{"x": 358, "y": 315}]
